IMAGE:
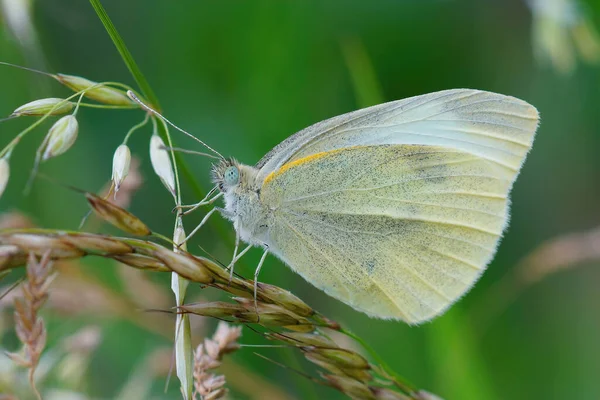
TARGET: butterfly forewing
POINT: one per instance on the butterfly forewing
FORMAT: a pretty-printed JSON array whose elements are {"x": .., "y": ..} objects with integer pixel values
[
  {"x": 397, "y": 231},
  {"x": 490, "y": 125}
]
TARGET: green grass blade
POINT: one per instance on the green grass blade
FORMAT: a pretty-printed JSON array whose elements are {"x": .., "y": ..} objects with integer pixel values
[{"x": 125, "y": 54}]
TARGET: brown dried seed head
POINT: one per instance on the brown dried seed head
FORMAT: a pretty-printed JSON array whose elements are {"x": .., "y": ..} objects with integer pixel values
[
  {"x": 141, "y": 261},
  {"x": 360, "y": 375},
  {"x": 61, "y": 137},
  {"x": 120, "y": 167},
  {"x": 185, "y": 265},
  {"x": 304, "y": 339},
  {"x": 161, "y": 163},
  {"x": 351, "y": 387},
  {"x": 269, "y": 314},
  {"x": 97, "y": 244},
  {"x": 4, "y": 174},
  {"x": 388, "y": 394},
  {"x": 40, "y": 107},
  {"x": 40, "y": 244},
  {"x": 342, "y": 358},
  {"x": 102, "y": 94},
  {"x": 286, "y": 299},
  {"x": 117, "y": 216},
  {"x": 217, "y": 309}
]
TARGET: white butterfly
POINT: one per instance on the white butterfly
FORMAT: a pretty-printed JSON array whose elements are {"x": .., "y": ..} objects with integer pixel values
[{"x": 394, "y": 209}]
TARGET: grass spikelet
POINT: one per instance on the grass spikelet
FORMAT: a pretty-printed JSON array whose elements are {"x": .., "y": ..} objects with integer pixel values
[
  {"x": 41, "y": 107},
  {"x": 208, "y": 355},
  {"x": 61, "y": 137},
  {"x": 117, "y": 216},
  {"x": 93, "y": 90},
  {"x": 29, "y": 326}
]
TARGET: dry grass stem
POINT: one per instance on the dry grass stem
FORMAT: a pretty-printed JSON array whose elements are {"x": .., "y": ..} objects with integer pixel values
[
  {"x": 560, "y": 253},
  {"x": 283, "y": 316}
]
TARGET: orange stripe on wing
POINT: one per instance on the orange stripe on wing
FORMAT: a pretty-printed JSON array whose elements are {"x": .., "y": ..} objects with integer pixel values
[{"x": 304, "y": 160}]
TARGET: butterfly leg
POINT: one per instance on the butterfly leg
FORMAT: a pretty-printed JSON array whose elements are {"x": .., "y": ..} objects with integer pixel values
[
  {"x": 205, "y": 201},
  {"x": 235, "y": 249},
  {"x": 256, "y": 272},
  {"x": 208, "y": 214}
]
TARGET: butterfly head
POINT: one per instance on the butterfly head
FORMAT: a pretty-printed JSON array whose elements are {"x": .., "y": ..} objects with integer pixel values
[{"x": 229, "y": 175}]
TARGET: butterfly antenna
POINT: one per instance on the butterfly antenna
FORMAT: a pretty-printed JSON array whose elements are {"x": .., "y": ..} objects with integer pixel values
[
  {"x": 133, "y": 97},
  {"x": 180, "y": 150}
]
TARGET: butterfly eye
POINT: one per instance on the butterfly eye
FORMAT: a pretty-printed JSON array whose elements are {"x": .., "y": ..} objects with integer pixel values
[{"x": 231, "y": 176}]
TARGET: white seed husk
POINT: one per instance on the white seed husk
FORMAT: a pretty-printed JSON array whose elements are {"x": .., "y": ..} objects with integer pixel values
[
  {"x": 44, "y": 106},
  {"x": 61, "y": 137},
  {"x": 121, "y": 162},
  {"x": 161, "y": 162}
]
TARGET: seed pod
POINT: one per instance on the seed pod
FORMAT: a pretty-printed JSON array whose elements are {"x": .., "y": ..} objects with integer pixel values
[
  {"x": 303, "y": 339},
  {"x": 286, "y": 299},
  {"x": 351, "y": 387},
  {"x": 97, "y": 244},
  {"x": 117, "y": 216},
  {"x": 141, "y": 262},
  {"x": 120, "y": 167},
  {"x": 217, "y": 309},
  {"x": 388, "y": 394},
  {"x": 185, "y": 265},
  {"x": 102, "y": 94},
  {"x": 40, "y": 107},
  {"x": 4, "y": 174},
  {"x": 360, "y": 375},
  {"x": 161, "y": 162},
  {"x": 61, "y": 137},
  {"x": 40, "y": 244},
  {"x": 342, "y": 358}
]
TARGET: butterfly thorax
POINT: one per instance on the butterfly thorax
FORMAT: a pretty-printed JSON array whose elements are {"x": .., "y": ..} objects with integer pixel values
[{"x": 243, "y": 207}]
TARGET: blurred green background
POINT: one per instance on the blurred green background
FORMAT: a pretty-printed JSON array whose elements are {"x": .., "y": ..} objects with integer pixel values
[{"x": 244, "y": 75}]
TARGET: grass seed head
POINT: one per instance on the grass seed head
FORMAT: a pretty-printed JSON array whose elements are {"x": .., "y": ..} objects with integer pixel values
[
  {"x": 286, "y": 299},
  {"x": 120, "y": 167},
  {"x": 304, "y": 339},
  {"x": 161, "y": 163},
  {"x": 185, "y": 265},
  {"x": 102, "y": 94},
  {"x": 117, "y": 216},
  {"x": 61, "y": 137},
  {"x": 141, "y": 261},
  {"x": 342, "y": 358},
  {"x": 52, "y": 105},
  {"x": 97, "y": 244},
  {"x": 351, "y": 387},
  {"x": 39, "y": 244},
  {"x": 217, "y": 309}
]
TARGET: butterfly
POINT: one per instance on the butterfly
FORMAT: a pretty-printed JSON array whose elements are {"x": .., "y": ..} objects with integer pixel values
[{"x": 395, "y": 209}]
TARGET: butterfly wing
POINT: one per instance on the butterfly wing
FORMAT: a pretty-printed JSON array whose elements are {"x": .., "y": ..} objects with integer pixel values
[
  {"x": 490, "y": 125},
  {"x": 396, "y": 231}
]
